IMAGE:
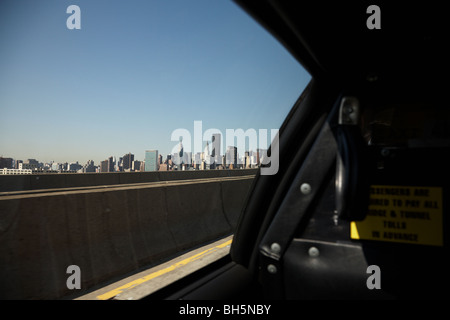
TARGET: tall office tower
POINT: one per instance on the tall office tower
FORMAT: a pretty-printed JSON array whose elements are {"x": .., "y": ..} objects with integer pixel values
[
  {"x": 231, "y": 156},
  {"x": 206, "y": 150},
  {"x": 180, "y": 151},
  {"x": 111, "y": 164},
  {"x": 224, "y": 161},
  {"x": 104, "y": 166},
  {"x": 247, "y": 159},
  {"x": 136, "y": 165},
  {"x": 151, "y": 160},
  {"x": 215, "y": 153},
  {"x": 127, "y": 160}
]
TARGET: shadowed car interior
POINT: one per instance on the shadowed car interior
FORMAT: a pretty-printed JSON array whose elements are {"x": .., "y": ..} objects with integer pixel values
[{"x": 358, "y": 208}]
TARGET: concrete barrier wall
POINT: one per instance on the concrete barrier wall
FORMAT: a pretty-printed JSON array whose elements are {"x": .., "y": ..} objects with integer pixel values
[
  {"x": 74, "y": 180},
  {"x": 108, "y": 232}
]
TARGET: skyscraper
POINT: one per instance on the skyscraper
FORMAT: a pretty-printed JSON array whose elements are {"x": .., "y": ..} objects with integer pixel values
[
  {"x": 111, "y": 163},
  {"x": 206, "y": 150},
  {"x": 231, "y": 157},
  {"x": 127, "y": 160},
  {"x": 180, "y": 149},
  {"x": 104, "y": 166},
  {"x": 215, "y": 153},
  {"x": 136, "y": 165},
  {"x": 151, "y": 160}
]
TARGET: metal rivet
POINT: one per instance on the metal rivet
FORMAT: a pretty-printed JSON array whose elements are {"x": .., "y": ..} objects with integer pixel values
[
  {"x": 271, "y": 269},
  {"x": 305, "y": 188},
  {"x": 385, "y": 152},
  {"x": 275, "y": 248},
  {"x": 313, "y": 252}
]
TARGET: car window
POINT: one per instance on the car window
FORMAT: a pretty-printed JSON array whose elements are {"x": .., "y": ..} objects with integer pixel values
[
  {"x": 130, "y": 76},
  {"x": 110, "y": 104}
]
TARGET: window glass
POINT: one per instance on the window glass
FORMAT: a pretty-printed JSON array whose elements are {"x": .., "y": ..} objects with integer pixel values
[
  {"x": 121, "y": 77},
  {"x": 90, "y": 87}
]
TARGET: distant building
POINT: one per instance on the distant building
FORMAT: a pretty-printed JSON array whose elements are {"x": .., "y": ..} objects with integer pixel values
[
  {"x": 74, "y": 166},
  {"x": 215, "y": 152},
  {"x": 206, "y": 150},
  {"x": 56, "y": 166},
  {"x": 6, "y": 163},
  {"x": 24, "y": 165},
  {"x": 181, "y": 150},
  {"x": 203, "y": 165},
  {"x": 187, "y": 158},
  {"x": 181, "y": 158},
  {"x": 136, "y": 165},
  {"x": 151, "y": 160},
  {"x": 247, "y": 160},
  {"x": 18, "y": 162},
  {"x": 32, "y": 162},
  {"x": 197, "y": 160},
  {"x": 253, "y": 162},
  {"x": 127, "y": 161},
  {"x": 231, "y": 157},
  {"x": 111, "y": 164},
  {"x": 15, "y": 171},
  {"x": 119, "y": 166},
  {"x": 89, "y": 166},
  {"x": 104, "y": 166}
]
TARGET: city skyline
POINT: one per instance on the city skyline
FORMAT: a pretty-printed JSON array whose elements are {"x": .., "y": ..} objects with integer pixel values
[
  {"x": 135, "y": 72},
  {"x": 206, "y": 151},
  {"x": 211, "y": 148},
  {"x": 205, "y": 160}
]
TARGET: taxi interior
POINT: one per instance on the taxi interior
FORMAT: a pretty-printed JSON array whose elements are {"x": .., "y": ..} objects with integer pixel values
[{"x": 358, "y": 208}]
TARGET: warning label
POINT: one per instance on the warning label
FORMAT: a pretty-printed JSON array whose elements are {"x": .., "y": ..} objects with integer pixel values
[{"x": 402, "y": 214}]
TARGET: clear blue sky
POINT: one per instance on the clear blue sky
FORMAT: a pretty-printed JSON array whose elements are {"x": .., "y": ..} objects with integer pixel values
[{"x": 135, "y": 71}]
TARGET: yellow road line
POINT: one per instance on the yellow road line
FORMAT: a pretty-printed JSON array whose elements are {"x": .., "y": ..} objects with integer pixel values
[{"x": 132, "y": 284}]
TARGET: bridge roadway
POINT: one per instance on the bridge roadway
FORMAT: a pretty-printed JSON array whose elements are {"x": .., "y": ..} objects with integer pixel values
[
  {"x": 139, "y": 285},
  {"x": 112, "y": 231}
]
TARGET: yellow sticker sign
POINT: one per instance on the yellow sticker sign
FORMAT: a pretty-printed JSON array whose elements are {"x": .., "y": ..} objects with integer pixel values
[{"x": 402, "y": 214}]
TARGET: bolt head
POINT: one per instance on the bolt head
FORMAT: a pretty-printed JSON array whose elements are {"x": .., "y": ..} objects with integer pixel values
[
  {"x": 385, "y": 152},
  {"x": 271, "y": 269},
  {"x": 305, "y": 188},
  {"x": 275, "y": 247},
  {"x": 313, "y": 252}
]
